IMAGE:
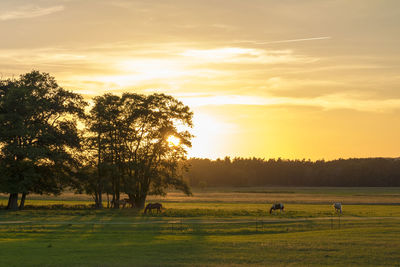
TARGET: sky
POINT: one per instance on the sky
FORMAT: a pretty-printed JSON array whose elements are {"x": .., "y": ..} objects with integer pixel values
[{"x": 310, "y": 79}]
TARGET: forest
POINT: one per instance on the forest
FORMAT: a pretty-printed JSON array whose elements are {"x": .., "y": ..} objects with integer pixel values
[{"x": 279, "y": 172}]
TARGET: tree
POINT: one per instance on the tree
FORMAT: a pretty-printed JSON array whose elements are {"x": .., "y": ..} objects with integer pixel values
[
  {"x": 152, "y": 160},
  {"x": 104, "y": 146},
  {"x": 38, "y": 135},
  {"x": 131, "y": 136}
]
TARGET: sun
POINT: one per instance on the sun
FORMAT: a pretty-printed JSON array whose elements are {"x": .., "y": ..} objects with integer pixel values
[{"x": 173, "y": 140}]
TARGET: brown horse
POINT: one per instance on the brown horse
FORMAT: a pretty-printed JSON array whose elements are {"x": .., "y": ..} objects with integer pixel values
[{"x": 153, "y": 206}]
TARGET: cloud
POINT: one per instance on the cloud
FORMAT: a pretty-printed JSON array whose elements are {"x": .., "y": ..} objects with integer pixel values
[
  {"x": 328, "y": 102},
  {"x": 177, "y": 66},
  {"x": 243, "y": 56},
  {"x": 221, "y": 75},
  {"x": 29, "y": 12}
]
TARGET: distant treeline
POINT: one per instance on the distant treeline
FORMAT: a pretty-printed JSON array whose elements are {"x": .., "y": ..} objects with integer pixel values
[{"x": 279, "y": 172}]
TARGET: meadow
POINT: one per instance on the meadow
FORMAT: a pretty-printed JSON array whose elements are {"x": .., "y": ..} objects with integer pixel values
[{"x": 215, "y": 227}]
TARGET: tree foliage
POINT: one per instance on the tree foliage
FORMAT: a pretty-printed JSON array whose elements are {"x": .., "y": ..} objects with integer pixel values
[
  {"x": 38, "y": 134},
  {"x": 128, "y": 136}
]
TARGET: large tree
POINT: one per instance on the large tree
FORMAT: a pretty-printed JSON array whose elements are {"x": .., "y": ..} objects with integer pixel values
[
  {"x": 131, "y": 137},
  {"x": 38, "y": 135},
  {"x": 155, "y": 136}
]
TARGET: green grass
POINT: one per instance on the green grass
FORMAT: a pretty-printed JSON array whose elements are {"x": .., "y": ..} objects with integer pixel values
[
  {"x": 212, "y": 210},
  {"x": 298, "y": 243},
  {"x": 205, "y": 233}
]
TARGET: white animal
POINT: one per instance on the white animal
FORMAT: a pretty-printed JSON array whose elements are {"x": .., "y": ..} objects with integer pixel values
[{"x": 338, "y": 207}]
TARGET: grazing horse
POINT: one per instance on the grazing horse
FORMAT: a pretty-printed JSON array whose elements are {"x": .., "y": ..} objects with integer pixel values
[
  {"x": 153, "y": 206},
  {"x": 277, "y": 206},
  {"x": 338, "y": 207}
]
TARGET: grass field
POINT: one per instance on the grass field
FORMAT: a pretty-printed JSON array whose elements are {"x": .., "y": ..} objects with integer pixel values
[{"x": 209, "y": 229}]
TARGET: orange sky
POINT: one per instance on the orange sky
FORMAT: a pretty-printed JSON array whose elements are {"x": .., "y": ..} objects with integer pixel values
[{"x": 293, "y": 79}]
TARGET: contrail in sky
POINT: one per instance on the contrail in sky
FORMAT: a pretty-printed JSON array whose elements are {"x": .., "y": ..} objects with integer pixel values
[{"x": 291, "y": 40}]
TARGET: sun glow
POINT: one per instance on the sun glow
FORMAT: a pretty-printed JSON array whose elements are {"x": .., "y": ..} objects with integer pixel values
[{"x": 173, "y": 140}]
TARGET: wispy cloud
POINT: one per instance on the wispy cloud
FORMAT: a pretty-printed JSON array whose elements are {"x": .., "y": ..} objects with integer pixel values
[
  {"x": 329, "y": 102},
  {"x": 29, "y": 12},
  {"x": 289, "y": 40},
  {"x": 244, "y": 56},
  {"x": 181, "y": 65}
]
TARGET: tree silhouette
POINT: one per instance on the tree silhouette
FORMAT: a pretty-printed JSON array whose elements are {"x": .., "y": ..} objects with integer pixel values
[
  {"x": 131, "y": 136},
  {"x": 38, "y": 135}
]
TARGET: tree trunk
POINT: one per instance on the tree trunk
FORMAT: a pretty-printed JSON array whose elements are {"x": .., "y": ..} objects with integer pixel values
[
  {"x": 8, "y": 203},
  {"x": 96, "y": 199},
  {"x": 100, "y": 200},
  {"x": 116, "y": 201},
  {"x": 13, "y": 202},
  {"x": 117, "y": 195},
  {"x": 22, "y": 203},
  {"x": 108, "y": 201},
  {"x": 139, "y": 202}
]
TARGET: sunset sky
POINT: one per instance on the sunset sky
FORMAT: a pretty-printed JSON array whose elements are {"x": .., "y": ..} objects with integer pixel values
[{"x": 266, "y": 78}]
